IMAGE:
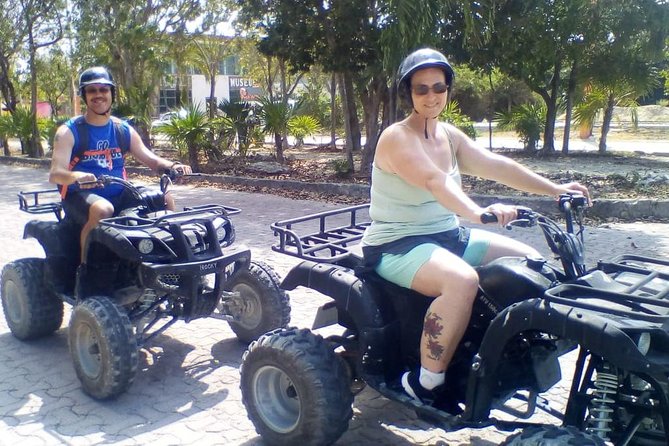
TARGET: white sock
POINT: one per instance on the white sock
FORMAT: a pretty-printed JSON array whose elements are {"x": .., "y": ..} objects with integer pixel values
[{"x": 429, "y": 380}]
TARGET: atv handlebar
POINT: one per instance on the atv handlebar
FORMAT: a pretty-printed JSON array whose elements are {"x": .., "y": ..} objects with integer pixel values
[{"x": 525, "y": 217}]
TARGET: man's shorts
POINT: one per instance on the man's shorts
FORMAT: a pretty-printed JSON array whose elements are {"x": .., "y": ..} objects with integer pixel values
[
  {"x": 77, "y": 204},
  {"x": 402, "y": 268}
]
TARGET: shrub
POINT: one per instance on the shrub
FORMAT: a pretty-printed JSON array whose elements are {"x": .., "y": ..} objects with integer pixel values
[
  {"x": 453, "y": 115},
  {"x": 299, "y": 127},
  {"x": 527, "y": 120}
]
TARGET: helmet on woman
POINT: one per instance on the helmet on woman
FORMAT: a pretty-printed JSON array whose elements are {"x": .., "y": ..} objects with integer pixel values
[
  {"x": 96, "y": 75},
  {"x": 418, "y": 60}
]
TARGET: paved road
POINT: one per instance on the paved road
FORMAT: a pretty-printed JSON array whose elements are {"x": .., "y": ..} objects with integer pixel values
[{"x": 186, "y": 391}]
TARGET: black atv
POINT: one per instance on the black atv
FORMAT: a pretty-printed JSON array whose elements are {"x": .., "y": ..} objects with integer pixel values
[
  {"x": 144, "y": 269},
  {"x": 298, "y": 387}
]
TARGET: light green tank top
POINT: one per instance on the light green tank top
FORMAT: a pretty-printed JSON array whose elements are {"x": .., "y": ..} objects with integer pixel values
[{"x": 399, "y": 209}]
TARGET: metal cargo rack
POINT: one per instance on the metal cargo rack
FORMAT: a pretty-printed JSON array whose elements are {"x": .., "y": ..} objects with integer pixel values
[
  {"x": 330, "y": 234},
  {"x": 637, "y": 288},
  {"x": 41, "y": 202}
]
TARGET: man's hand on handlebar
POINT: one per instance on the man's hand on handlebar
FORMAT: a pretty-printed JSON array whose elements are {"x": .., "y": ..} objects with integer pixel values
[
  {"x": 178, "y": 169},
  {"x": 87, "y": 181}
]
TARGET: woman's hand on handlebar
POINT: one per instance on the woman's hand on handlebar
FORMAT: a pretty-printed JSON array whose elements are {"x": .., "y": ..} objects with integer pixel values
[
  {"x": 576, "y": 188},
  {"x": 504, "y": 214}
]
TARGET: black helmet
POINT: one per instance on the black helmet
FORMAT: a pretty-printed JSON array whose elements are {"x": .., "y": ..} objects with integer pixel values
[
  {"x": 96, "y": 75},
  {"x": 419, "y": 59}
]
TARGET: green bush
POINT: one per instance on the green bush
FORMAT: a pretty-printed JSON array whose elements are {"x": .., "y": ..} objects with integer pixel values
[
  {"x": 47, "y": 129},
  {"x": 453, "y": 115},
  {"x": 527, "y": 120},
  {"x": 299, "y": 127},
  {"x": 189, "y": 134},
  {"x": 341, "y": 167}
]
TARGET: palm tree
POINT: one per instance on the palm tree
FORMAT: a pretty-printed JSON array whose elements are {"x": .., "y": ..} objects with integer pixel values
[
  {"x": 242, "y": 120},
  {"x": 604, "y": 97},
  {"x": 275, "y": 116},
  {"x": 188, "y": 133}
]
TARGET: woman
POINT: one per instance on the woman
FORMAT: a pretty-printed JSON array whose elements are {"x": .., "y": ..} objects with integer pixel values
[{"x": 415, "y": 239}]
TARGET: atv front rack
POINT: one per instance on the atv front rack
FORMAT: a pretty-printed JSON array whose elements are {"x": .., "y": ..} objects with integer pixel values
[
  {"x": 193, "y": 234},
  {"x": 631, "y": 286},
  {"x": 329, "y": 235}
]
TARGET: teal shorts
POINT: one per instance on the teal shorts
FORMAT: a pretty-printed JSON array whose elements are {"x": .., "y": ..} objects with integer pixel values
[{"x": 401, "y": 268}]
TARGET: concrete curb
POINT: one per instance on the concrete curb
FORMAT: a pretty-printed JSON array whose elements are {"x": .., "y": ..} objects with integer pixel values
[{"x": 624, "y": 210}]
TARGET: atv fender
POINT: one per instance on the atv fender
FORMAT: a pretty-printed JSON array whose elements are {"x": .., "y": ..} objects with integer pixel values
[
  {"x": 113, "y": 240},
  {"x": 56, "y": 238},
  {"x": 593, "y": 331},
  {"x": 341, "y": 285},
  {"x": 357, "y": 308}
]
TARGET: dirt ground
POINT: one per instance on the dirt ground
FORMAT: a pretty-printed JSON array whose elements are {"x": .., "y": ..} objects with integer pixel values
[{"x": 611, "y": 175}]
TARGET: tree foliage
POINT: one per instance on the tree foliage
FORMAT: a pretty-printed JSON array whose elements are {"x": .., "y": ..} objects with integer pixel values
[
  {"x": 544, "y": 42},
  {"x": 130, "y": 37}
]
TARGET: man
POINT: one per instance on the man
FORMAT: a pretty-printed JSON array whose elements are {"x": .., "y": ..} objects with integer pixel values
[{"x": 96, "y": 144}]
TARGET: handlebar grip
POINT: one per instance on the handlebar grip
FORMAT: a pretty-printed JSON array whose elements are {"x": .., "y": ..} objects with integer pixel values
[{"x": 488, "y": 217}]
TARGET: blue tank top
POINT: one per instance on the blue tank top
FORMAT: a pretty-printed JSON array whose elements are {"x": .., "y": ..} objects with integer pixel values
[{"x": 103, "y": 156}]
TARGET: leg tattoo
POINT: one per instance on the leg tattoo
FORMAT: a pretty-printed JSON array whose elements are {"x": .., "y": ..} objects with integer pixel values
[{"x": 432, "y": 329}]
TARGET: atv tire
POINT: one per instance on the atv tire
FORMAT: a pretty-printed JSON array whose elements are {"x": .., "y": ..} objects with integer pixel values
[
  {"x": 263, "y": 305},
  {"x": 31, "y": 312},
  {"x": 295, "y": 389},
  {"x": 553, "y": 436},
  {"x": 103, "y": 347}
]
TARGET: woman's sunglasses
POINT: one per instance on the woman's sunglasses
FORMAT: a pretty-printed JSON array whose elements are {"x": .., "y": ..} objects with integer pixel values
[{"x": 422, "y": 89}]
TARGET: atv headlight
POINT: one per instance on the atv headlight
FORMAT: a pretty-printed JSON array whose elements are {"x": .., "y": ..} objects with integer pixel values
[
  {"x": 221, "y": 232},
  {"x": 145, "y": 246}
]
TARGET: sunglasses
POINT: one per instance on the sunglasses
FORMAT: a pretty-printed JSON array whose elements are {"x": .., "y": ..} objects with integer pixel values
[
  {"x": 94, "y": 90},
  {"x": 422, "y": 89}
]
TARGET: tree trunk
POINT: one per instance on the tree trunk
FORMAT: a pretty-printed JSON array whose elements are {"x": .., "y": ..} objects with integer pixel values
[
  {"x": 606, "y": 122},
  {"x": 350, "y": 119},
  {"x": 5, "y": 147},
  {"x": 333, "y": 111},
  {"x": 551, "y": 110},
  {"x": 6, "y": 86},
  {"x": 571, "y": 88},
  {"x": 212, "y": 93},
  {"x": 193, "y": 159},
  {"x": 34, "y": 144},
  {"x": 377, "y": 91},
  {"x": 278, "y": 146}
]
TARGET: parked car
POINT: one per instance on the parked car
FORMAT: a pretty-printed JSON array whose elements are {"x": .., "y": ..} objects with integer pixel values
[{"x": 166, "y": 117}]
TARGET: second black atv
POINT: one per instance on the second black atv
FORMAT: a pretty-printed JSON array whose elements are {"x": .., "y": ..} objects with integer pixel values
[
  {"x": 298, "y": 387},
  {"x": 145, "y": 269}
]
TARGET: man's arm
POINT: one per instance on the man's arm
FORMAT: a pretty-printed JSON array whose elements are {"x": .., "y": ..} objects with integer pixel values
[
  {"x": 151, "y": 160},
  {"x": 60, "y": 173}
]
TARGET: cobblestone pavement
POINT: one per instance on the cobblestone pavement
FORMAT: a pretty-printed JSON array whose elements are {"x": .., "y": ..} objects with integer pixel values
[{"x": 186, "y": 391}]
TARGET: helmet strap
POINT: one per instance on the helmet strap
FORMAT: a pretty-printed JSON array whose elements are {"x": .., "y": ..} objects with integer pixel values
[{"x": 427, "y": 136}]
